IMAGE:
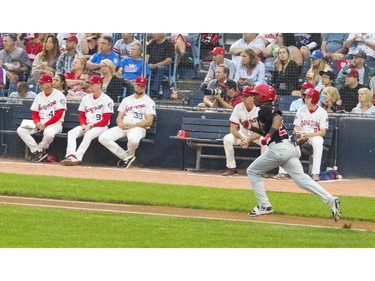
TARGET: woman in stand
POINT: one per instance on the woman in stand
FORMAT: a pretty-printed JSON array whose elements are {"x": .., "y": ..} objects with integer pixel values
[
  {"x": 332, "y": 101},
  {"x": 285, "y": 78},
  {"x": 113, "y": 86},
  {"x": 59, "y": 83},
  {"x": 45, "y": 61},
  {"x": 364, "y": 105},
  {"x": 251, "y": 71},
  {"x": 78, "y": 67}
]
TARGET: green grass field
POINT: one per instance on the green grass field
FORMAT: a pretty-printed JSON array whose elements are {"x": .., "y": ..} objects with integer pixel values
[{"x": 48, "y": 227}]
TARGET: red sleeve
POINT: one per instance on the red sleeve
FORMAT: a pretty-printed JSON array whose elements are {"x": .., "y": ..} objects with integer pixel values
[
  {"x": 82, "y": 118},
  {"x": 104, "y": 121},
  {"x": 35, "y": 116},
  {"x": 56, "y": 117}
]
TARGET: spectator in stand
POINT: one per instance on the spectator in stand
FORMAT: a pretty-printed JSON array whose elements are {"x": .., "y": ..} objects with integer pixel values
[
  {"x": 79, "y": 91},
  {"x": 59, "y": 83},
  {"x": 358, "y": 63},
  {"x": 64, "y": 63},
  {"x": 372, "y": 85},
  {"x": 328, "y": 79},
  {"x": 307, "y": 43},
  {"x": 318, "y": 64},
  {"x": 48, "y": 110},
  {"x": 46, "y": 60},
  {"x": 248, "y": 41},
  {"x": 3, "y": 77},
  {"x": 361, "y": 42},
  {"x": 22, "y": 92},
  {"x": 365, "y": 105},
  {"x": 183, "y": 40},
  {"x": 251, "y": 71},
  {"x": 218, "y": 58},
  {"x": 135, "y": 115},
  {"x": 285, "y": 78},
  {"x": 349, "y": 93},
  {"x": 106, "y": 44},
  {"x": 78, "y": 67},
  {"x": 332, "y": 101},
  {"x": 222, "y": 91},
  {"x": 90, "y": 44},
  {"x": 61, "y": 37},
  {"x": 112, "y": 85},
  {"x": 243, "y": 117},
  {"x": 297, "y": 104},
  {"x": 333, "y": 48},
  {"x": 159, "y": 55},
  {"x": 14, "y": 59},
  {"x": 95, "y": 111},
  {"x": 123, "y": 45},
  {"x": 312, "y": 121},
  {"x": 33, "y": 46},
  {"x": 131, "y": 67}
]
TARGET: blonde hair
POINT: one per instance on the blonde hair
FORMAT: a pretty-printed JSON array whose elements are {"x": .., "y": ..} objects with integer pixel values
[
  {"x": 333, "y": 92},
  {"x": 111, "y": 66},
  {"x": 83, "y": 61},
  {"x": 368, "y": 99}
]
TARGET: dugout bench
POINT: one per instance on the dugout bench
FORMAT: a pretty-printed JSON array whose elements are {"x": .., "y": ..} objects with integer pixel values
[{"x": 207, "y": 129}]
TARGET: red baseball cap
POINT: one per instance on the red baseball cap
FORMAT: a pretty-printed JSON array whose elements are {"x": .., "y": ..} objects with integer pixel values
[
  {"x": 351, "y": 72},
  {"x": 71, "y": 38},
  {"x": 141, "y": 81},
  {"x": 247, "y": 92},
  {"x": 218, "y": 51},
  {"x": 45, "y": 78},
  {"x": 32, "y": 35},
  {"x": 306, "y": 85},
  {"x": 95, "y": 79}
]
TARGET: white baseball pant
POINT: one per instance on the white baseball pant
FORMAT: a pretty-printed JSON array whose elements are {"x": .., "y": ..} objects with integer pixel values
[
  {"x": 48, "y": 136},
  {"x": 77, "y": 132},
  {"x": 317, "y": 144},
  {"x": 229, "y": 141},
  {"x": 134, "y": 136}
]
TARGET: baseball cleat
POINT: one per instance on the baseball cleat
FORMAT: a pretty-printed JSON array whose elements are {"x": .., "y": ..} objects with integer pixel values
[
  {"x": 40, "y": 156},
  {"x": 231, "y": 172},
  {"x": 259, "y": 210},
  {"x": 336, "y": 211},
  {"x": 126, "y": 163},
  {"x": 71, "y": 161}
]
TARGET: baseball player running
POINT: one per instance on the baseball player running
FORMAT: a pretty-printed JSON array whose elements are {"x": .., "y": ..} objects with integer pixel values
[
  {"x": 281, "y": 152},
  {"x": 244, "y": 115},
  {"x": 135, "y": 115},
  {"x": 48, "y": 111},
  {"x": 312, "y": 121},
  {"x": 95, "y": 111}
]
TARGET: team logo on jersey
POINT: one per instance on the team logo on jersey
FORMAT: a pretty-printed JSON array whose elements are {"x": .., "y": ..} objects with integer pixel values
[
  {"x": 63, "y": 101},
  {"x": 46, "y": 106}
]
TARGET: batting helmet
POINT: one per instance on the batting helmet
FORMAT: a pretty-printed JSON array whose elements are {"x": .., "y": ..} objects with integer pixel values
[
  {"x": 314, "y": 94},
  {"x": 183, "y": 134},
  {"x": 51, "y": 158},
  {"x": 265, "y": 92}
]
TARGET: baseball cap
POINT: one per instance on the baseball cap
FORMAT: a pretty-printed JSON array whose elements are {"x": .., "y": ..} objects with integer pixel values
[
  {"x": 247, "y": 92},
  {"x": 141, "y": 81},
  {"x": 359, "y": 54},
  {"x": 329, "y": 73},
  {"x": 95, "y": 79},
  {"x": 45, "y": 78},
  {"x": 71, "y": 38},
  {"x": 317, "y": 54},
  {"x": 218, "y": 51},
  {"x": 32, "y": 35},
  {"x": 351, "y": 72},
  {"x": 306, "y": 85}
]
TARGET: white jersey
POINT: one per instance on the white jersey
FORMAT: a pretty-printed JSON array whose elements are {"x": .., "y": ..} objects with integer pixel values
[
  {"x": 136, "y": 109},
  {"x": 94, "y": 108},
  {"x": 240, "y": 114},
  {"x": 48, "y": 105},
  {"x": 311, "y": 122}
]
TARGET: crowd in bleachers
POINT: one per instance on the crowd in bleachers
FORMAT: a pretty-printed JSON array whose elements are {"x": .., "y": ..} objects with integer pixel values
[{"x": 345, "y": 61}]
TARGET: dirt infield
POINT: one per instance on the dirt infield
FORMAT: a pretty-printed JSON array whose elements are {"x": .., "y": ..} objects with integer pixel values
[{"x": 350, "y": 187}]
